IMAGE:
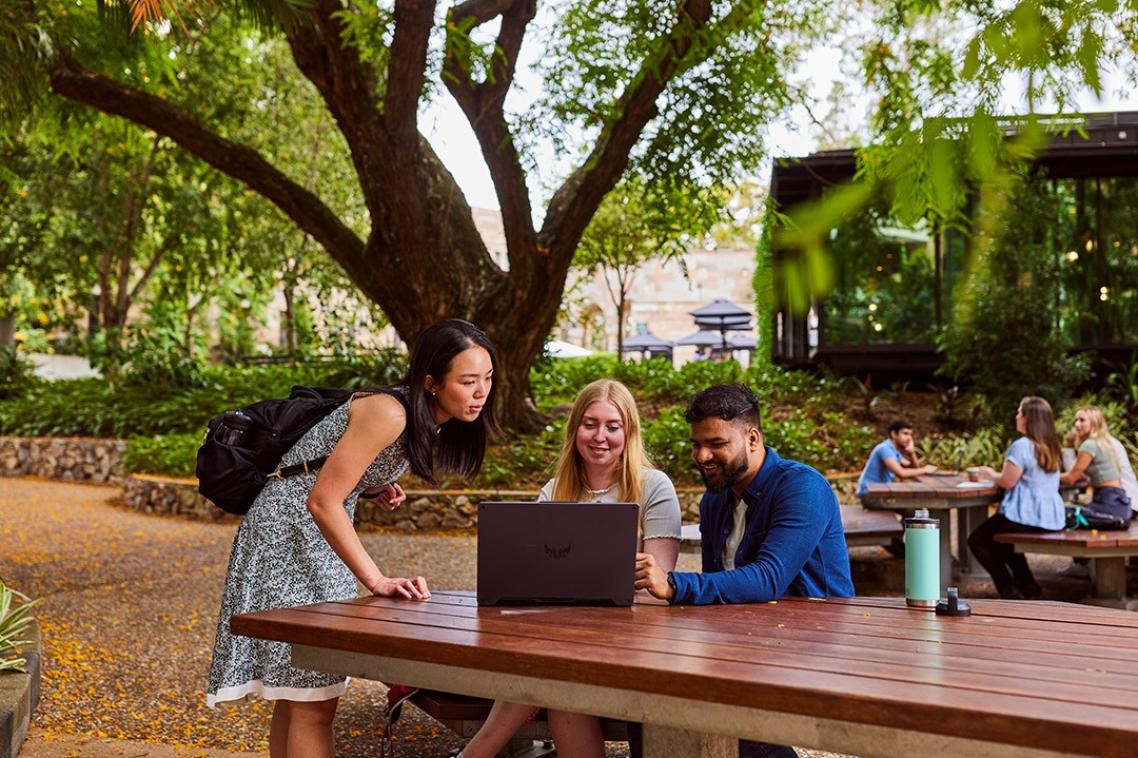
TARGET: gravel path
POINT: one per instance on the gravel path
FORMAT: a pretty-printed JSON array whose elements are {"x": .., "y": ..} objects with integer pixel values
[{"x": 129, "y": 607}]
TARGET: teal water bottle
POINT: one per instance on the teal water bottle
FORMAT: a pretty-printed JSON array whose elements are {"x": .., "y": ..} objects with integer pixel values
[{"x": 922, "y": 560}]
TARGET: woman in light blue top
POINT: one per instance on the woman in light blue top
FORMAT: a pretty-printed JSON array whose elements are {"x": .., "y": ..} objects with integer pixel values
[{"x": 1030, "y": 479}]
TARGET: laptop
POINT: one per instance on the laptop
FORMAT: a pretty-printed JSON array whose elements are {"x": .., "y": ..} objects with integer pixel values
[{"x": 556, "y": 553}]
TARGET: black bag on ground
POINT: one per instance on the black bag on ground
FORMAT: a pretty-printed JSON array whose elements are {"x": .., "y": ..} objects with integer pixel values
[{"x": 242, "y": 448}]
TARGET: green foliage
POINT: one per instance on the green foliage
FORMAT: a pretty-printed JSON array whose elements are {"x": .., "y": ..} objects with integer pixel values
[
  {"x": 16, "y": 372},
  {"x": 92, "y": 407},
  {"x": 1123, "y": 385},
  {"x": 521, "y": 457},
  {"x": 1004, "y": 338},
  {"x": 667, "y": 440},
  {"x": 15, "y": 618},
  {"x": 167, "y": 454},
  {"x": 157, "y": 361},
  {"x": 983, "y": 447}
]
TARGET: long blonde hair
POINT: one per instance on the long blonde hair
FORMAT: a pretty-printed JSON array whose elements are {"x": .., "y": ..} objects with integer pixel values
[
  {"x": 569, "y": 476},
  {"x": 1100, "y": 432}
]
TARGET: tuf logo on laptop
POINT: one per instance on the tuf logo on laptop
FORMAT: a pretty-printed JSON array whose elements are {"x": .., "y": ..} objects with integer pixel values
[{"x": 557, "y": 553}]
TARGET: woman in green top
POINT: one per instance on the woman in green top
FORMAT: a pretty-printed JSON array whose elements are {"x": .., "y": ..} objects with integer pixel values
[{"x": 1098, "y": 461}]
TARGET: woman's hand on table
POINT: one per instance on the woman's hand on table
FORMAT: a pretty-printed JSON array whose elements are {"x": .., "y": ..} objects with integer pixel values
[{"x": 409, "y": 589}]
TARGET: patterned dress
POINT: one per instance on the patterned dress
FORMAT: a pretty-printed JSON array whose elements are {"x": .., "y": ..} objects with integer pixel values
[{"x": 280, "y": 559}]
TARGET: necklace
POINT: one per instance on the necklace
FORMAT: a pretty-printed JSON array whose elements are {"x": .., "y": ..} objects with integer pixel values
[{"x": 601, "y": 491}]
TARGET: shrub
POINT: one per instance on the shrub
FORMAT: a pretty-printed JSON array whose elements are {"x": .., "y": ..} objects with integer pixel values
[
  {"x": 15, "y": 618},
  {"x": 167, "y": 454},
  {"x": 16, "y": 372}
]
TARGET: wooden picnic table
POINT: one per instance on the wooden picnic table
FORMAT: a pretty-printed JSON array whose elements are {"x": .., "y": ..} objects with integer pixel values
[
  {"x": 1107, "y": 551},
  {"x": 863, "y": 676},
  {"x": 942, "y": 494}
]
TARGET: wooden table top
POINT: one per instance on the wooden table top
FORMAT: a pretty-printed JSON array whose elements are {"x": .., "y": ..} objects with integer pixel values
[
  {"x": 1028, "y": 674},
  {"x": 1085, "y": 538},
  {"x": 943, "y": 486}
]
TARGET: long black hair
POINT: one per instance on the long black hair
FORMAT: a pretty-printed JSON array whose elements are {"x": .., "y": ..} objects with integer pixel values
[{"x": 459, "y": 445}]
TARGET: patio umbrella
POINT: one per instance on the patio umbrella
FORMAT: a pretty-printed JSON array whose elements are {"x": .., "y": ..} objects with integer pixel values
[
  {"x": 561, "y": 349},
  {"x": 721, "y": 315},
  {"x": 724, "y": 341},
  {"x": 646, "y": 341}
]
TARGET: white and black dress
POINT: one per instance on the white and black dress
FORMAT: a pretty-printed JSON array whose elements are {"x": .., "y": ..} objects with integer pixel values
[{"x": 280, "y": 559}]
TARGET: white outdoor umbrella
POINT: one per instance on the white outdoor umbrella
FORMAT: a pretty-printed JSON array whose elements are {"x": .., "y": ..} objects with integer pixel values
[{"x": 561, "y": 349}]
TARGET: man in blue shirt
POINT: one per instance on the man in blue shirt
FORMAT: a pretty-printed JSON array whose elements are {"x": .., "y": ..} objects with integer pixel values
[
  {"x": 770, "y": 527},
  {"x": 889, "y": 457}
]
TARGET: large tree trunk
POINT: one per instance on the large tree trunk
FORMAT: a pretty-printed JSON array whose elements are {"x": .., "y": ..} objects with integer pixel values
[{"x": 424, "y": 259}]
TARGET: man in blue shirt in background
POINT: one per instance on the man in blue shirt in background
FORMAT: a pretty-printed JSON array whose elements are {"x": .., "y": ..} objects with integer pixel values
[
  {"x": 888, "y": 460},
  {"x": 770, "y": 527}
]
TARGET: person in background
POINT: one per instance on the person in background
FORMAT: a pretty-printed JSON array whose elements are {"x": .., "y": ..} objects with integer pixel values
[
  {"x": 1031, "y": 502},
  {"x": 895, "y": 457},
  {"x": 602, "y": 460},
  {"x": 1103, "y": 461}
]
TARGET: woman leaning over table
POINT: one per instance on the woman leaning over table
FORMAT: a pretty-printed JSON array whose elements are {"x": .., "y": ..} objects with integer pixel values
[
  {"x": 1103, "y": 461},
  {"x": 1031, "y": 503},
  {"x": 602, "y": 461},
  {"x": 296, "y": 545}
]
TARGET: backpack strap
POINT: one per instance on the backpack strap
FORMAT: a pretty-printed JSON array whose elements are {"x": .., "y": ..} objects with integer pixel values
[
  {"x": 296, "y": 469},
  {"x": 311, "y": 466}
]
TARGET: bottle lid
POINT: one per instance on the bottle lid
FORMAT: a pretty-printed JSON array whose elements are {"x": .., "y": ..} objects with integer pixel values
[
  {"x": 953, "y": 605},
  {"x": 921, "y": 520}
]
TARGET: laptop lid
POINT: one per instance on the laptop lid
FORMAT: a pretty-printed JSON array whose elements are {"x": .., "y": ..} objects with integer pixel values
[{"x": 534, "y": 553}]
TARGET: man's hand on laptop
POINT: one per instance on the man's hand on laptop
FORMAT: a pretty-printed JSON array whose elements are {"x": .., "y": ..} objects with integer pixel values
[{"x": 650, "y": 576}]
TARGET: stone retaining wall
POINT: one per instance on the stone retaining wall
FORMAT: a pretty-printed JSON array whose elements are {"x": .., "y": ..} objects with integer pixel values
[
  {"x": 95, "y": 460},
  {"x": 426, "y": 510},
  {"x": 68, "y": 459},
  {"x": 19, "y": 694}
]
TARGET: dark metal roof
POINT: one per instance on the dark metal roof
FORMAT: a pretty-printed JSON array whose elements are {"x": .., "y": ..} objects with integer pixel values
[{"x": 1107, "y": 145}]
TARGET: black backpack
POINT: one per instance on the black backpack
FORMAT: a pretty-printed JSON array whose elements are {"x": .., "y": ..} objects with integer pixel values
[{"x": 242, "y": 449}]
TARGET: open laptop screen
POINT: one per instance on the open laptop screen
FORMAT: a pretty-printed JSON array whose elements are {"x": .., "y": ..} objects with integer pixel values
[{"x": 535, "y": 553}]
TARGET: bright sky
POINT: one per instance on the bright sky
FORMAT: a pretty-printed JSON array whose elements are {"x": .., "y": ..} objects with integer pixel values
[{"x": 450, "y": 134}]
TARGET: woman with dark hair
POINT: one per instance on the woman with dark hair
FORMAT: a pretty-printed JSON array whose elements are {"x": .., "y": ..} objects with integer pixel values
[
  {"x": 297, "y": 545},
  {"x": 1031, "y": 503}
]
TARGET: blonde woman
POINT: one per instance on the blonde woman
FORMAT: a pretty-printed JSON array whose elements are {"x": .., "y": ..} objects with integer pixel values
[
  {"x": 1103, "y": 462},
  {"x": 602, "y": 460}
]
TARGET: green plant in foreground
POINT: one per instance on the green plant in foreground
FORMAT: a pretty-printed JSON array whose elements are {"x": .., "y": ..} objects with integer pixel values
[{"x": 15, "y": 618}]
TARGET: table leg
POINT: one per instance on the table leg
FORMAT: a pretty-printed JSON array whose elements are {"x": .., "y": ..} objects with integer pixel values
[
  {"x": 945, "y": 518},
  {"x": 666, "y": 742},
  {"x": 967, "y": 519},
  {"x": 1109, "y": 575}
]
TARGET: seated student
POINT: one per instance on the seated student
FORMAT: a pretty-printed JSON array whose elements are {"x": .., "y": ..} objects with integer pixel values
[
  {"x": 1031, "y": 503},
  {"x": 770, "y": 527},
  {"x": 1102, "y": 460},
  {"x": 602, "y": 461},
  {"x": 889, "y": 459}
]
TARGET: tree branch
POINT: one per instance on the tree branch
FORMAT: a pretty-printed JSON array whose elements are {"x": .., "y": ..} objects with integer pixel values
[
  {"x": 483, "y": 103},
  {"x": 72, "y": 81},
  {"x": 578, "y": 198},
  {"x": 407, "y": 66}
]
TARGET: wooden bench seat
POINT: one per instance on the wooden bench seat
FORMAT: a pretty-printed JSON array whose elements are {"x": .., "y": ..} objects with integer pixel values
[
  {"x": 464, "y": 715},
  {"x": 1107, "y": 551},
  {"x": 862, "y": 527}
]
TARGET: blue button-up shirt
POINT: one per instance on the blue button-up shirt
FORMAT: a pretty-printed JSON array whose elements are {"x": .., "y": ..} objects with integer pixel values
[{"x": 793, "y": 541}]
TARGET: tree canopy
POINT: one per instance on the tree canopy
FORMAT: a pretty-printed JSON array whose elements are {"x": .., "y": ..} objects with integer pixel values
[{"x": 676, "y": 90}]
